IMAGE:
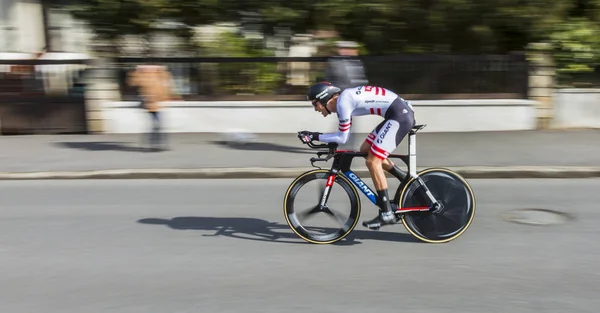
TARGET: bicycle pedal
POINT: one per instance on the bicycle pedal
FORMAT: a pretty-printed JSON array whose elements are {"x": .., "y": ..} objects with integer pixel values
[
  {"x": 373, "y": 228},
  {"x": 365, "y": 224}
]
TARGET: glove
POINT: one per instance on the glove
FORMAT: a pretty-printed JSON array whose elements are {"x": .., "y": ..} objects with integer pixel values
[{"x": 306, "y": 136}]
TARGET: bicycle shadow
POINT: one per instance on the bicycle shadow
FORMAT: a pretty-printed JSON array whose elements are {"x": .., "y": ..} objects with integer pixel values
[{"x": 262, "y": 230}]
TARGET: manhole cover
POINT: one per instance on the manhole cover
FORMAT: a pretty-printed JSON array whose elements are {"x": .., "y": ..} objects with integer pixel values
[{"x": 537, "y": 217}]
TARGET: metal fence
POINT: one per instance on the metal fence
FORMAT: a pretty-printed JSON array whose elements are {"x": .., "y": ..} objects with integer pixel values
[
  {"x": 416, "y": 77},
  {"x": 452, "y": 76},
  {"x": 286, "y": 78}
]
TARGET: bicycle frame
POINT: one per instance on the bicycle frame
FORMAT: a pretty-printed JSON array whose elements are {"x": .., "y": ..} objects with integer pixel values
[{"x": 343, "y": 161}]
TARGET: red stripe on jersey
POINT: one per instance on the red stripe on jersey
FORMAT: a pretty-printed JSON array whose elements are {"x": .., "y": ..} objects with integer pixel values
[
  {"x": 344, "y": 127},
  {"x": 372, "y": 110},
  {"x": 378, "y": 111}
]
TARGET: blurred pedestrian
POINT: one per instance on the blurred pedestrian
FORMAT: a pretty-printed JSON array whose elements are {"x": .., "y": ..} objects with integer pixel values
[
  {"x": 346, "y": 70},
  {"x": 155, "y": 86}
]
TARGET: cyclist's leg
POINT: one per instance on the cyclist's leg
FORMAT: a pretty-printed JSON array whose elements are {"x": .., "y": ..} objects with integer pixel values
[
  {"x": 387, "y": 164},
  {"x": 380, "y": 147},
  {"x": 388, "y": 137}
]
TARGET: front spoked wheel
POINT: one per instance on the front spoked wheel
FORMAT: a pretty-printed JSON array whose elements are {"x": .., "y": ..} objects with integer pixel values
[
  {"x": 457, "y": 206},
  {"x": 321, "y": 224}
]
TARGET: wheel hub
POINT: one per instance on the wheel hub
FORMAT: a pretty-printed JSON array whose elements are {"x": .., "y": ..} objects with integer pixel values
[{"x": 438, "y": 207}]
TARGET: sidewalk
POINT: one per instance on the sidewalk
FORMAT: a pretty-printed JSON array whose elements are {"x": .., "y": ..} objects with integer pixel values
[{"x": 572, "y": 153}]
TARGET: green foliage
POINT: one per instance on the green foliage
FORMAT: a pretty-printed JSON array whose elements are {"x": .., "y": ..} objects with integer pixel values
[
  {"x": 112, "y": 18},
  {"x": 381, "y": 26},
  {"x": 576, "y": 44},
  {"x": 241, "y": 78}
]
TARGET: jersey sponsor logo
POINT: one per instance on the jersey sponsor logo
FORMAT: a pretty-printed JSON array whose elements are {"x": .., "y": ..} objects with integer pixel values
[
  {"x": 384, "y": 133},
  {"x": 385, "y": 130},
  {"x": 377, "y": 101}
]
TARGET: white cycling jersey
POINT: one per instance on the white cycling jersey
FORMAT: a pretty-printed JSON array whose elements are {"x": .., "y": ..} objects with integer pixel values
[{"x": 357, "y": 101}]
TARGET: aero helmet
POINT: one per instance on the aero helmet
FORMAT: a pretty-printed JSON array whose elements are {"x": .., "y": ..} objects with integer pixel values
[{"x": 321, "y": 92}]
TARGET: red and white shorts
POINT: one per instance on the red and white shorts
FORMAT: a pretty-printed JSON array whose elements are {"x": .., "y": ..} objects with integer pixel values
[{"x": 386, "y": 137}]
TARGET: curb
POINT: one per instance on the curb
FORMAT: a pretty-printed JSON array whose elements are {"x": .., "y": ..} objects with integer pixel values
[{"x": 469, "y": 172}]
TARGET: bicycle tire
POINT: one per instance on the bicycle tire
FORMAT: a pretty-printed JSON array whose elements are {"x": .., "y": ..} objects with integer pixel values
[
  {"x": 293, "y": 221},
  {"x": 459, "y": 206}
]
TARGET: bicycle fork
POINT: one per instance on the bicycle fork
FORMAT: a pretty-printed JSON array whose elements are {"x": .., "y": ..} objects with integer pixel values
[{"x": 328, "y": 185}]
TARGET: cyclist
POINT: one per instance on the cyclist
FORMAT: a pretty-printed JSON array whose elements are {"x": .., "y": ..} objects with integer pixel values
[{"x": 398, "y": 120}]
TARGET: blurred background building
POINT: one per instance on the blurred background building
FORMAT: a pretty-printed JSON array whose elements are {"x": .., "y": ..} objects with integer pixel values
[{"x": 79, "y": 52}]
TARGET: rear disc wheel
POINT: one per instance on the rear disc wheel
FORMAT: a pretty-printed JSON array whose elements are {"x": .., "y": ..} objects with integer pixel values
[{"x": 457, "y": 200}]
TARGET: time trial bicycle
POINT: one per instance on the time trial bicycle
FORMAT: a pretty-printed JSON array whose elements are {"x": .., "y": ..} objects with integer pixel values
[{"x": 435, "y": 205}]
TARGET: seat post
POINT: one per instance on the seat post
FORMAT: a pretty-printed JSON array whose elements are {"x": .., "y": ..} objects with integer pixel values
[{"x": 412, "y": 154}]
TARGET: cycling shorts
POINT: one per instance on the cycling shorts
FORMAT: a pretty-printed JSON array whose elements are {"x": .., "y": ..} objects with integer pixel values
[{"x": 385, "y": 138}]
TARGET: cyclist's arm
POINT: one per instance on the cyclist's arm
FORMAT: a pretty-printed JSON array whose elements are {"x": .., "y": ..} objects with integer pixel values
[
  {"x": 341, "y": 136},
  {"x": 345, "y": 121}
]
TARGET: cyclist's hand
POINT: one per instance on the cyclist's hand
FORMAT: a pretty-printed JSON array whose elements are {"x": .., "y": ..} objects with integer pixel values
[{"x": 306, "y": 136}]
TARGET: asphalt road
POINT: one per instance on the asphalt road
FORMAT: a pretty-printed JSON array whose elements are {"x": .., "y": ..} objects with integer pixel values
[{"x": 223, "y": 246}]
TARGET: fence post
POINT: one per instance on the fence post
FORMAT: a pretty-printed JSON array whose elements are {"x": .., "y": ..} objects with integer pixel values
[
  {"x": 102, "y": 86},
  {"x": 542, "y": 74}
]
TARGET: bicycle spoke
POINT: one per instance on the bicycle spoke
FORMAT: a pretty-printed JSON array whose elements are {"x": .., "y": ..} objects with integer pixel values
[
  {"x": 310, "y": 213},
  {"x": 321, "y": 229},
  {"x": 335, "y": 215}
]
